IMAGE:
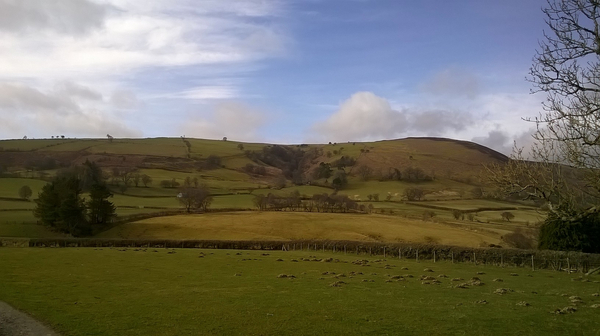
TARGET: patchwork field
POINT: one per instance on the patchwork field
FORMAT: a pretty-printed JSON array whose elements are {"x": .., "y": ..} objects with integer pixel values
[{"x": 227, "y": 292}]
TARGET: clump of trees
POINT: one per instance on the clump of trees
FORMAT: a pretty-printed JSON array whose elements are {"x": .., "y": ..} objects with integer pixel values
[
  {"x": 414, "y": 194},
  {"x": 172, "y": 183},
  {"x": 195, "y": 198},
  {"x": 318, "y": 202},
  {"x": 60, "y": 204}
]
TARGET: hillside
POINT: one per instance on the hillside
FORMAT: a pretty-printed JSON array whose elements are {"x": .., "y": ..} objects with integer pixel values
[{"x": 448, "y": 172}]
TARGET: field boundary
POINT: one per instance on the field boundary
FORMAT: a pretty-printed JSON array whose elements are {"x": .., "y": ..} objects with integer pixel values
[{"x": 553, "y": 260}]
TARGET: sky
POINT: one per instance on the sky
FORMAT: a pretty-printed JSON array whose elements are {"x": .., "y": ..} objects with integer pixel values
[{"x": 278, "y": 71}]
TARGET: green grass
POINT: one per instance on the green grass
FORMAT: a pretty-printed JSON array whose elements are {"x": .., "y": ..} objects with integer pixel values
[
  {"x": 9, "y": 187},
  {"x": 15, "y": 205},
  {"x": 128, "y": 292},
  {"x": 22, "y": 216},
  {"x": 26, "y": 230}
]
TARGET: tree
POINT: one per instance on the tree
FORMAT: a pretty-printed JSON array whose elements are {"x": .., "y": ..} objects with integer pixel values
[
  {"x": 137, "y": 178},
  {"x": 25, "y": 192},
  {"x": 365, "y": 172},
  {"x": 109, "y": 137},
  {"x": 60, "y": 206},
  {"x": 146, "y": 179},
  {"x": 563, "y": 170},
  {"x": 100, "y": 210},
  {"x": 507, "y": 216},
  {"x": 340, "y": 180},
  {"x": 240, "y": 147}
]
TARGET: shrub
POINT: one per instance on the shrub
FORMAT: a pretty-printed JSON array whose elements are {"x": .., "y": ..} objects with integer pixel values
[
  {"x": 507, "y": 216},
  {"x": 518, "y": 239},
  {"x": 567, "y": 230}
]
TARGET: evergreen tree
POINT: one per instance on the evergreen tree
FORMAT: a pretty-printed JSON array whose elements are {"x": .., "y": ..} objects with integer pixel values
[
  {"x": 100, "y": 210},
  {"x": 60, "y": 206}
]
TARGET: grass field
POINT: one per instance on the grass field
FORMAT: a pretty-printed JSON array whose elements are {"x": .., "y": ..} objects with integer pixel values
[
  {"x": 299, "y": 225},
  {"x": 226, "y": 292},
  {"x": 9, "y": 187}
]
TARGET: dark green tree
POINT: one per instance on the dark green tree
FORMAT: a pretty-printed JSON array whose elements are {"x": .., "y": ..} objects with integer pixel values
[
  {"x": 101, "y": 211},
  {"x": 570, "y": 230},
  {"x": 60, "y": 206}
]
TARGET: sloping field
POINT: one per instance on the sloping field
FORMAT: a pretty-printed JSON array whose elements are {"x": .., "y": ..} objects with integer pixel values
[{"x": 296, "y": 225}]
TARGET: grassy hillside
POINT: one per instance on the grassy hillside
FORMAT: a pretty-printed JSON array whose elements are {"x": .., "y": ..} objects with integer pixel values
[
  {"x": 85, "y": 291},
  {"x": 452, "y": 170}
]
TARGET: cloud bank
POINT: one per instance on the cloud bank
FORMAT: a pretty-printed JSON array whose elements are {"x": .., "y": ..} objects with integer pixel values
[{"x": 366, "y": 116}]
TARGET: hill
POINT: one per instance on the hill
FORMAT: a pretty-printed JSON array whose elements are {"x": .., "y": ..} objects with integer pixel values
[{"x": 448, "y": 173}]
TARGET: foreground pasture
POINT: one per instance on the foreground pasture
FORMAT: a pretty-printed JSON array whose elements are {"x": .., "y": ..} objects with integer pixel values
[{"x": 202, "y": 292}]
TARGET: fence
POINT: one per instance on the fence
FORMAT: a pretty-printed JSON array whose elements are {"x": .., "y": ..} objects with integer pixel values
[{"x": 554, "y": 260}]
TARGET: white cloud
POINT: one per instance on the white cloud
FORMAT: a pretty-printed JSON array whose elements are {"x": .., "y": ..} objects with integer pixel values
[
  {"x": 65, "y": 16},
  {"x": 55, "y": 112},
  {"x": 366, "y": 116},
  {"x": 104, "y": 44},
  {"x": 229, "y": 119}
]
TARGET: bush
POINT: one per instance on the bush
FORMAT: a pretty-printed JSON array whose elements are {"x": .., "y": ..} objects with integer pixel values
[
  {"x": 507, "y": 216},
  {"x": 567, "y": 230},
  {"x": 519, "y": 240},
  {"x": 457, "y": 214}
]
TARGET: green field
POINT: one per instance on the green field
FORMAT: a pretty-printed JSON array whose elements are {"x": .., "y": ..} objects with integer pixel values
[
  {"x": 88, "y": 291},
  {"x": 275, "y": 225}
]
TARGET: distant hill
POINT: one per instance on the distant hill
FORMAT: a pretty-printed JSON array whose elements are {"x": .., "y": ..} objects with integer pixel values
[{"x": 438, "y": 158}]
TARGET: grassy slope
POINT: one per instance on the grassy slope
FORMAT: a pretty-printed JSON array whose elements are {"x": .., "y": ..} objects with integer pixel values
[
  {"x": 111, "y": 292},
  {"x": 297, "y": 225}
]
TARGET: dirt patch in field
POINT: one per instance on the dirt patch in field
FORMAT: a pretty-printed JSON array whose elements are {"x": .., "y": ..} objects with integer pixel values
[{"x": 16, "y": 323}]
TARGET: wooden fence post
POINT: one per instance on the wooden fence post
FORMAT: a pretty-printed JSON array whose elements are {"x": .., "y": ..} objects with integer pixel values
[
  {"x": 384, "y": 252},
  {"x": 434, "y": 256},
  {"x": 417, "y": 255},
  {"x": 452, "y": 256},
  {"x": 532, "y": 264}
]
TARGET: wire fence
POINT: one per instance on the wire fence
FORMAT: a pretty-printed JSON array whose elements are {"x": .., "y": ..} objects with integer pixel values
[{"x": 534, "y": 259}]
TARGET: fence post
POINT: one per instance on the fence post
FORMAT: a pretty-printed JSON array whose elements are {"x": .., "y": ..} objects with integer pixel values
[
  {"x": 433, "y": 255},
  {"x": 417, "y": 255},
  {"x": 344, "y": 249},
  {"x": 568, "y": 265},
  {"x": 474, "y": 258},
  {"x": 384, "y": 252},
  {"x": 452, "y": 256},
  {"x": 399, "y": 253},
  {"x": 501, "y": 260},
  {"x": 532, "y": 265}
]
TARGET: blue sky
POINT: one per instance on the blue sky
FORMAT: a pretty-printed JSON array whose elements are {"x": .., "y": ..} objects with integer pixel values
[{"x": 273, "y": 71}]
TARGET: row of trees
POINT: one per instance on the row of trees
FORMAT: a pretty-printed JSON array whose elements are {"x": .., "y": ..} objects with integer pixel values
[{"x": 318, "y": 202}]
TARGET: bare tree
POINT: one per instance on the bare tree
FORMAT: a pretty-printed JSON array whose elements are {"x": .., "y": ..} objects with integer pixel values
[
  {"x": 365, "y": 172},
  {"x": 567, "y": 68},
  {"x": 195, "y": 198},
  {"x": 146, "y": 179}
]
